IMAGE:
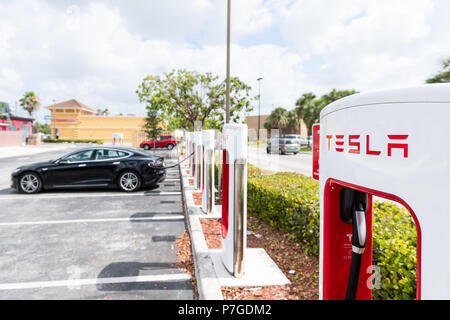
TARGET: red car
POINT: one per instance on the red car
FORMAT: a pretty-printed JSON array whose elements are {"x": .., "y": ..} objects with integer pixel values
[{"x": 168, "y": 142}]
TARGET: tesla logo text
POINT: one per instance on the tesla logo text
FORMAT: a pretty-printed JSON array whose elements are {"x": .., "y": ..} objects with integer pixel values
[{"x": 353, "y": 143}]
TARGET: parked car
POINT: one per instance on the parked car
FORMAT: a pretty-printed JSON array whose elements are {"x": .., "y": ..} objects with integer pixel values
[
  {"x": 284, "y": 146},
  {"x": 168, "y": 142},
  {"x": 300, "y": 140},
  {"x": 125, "y": 168}
]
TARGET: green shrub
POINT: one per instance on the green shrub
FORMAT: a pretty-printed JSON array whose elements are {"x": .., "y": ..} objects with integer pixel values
[
  {"x": 287, "y": 201},
  {"x": 394, "y": 243},
  {"x": 73, "y": 141},
  {"x": 290, "y": 201}
]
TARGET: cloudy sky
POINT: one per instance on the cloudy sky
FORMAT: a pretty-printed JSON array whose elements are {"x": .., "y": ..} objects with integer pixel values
[{"x": 98, "y": 51}]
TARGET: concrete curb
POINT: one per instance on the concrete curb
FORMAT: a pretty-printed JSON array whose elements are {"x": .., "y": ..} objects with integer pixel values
[{"x": 208, "y": 285}]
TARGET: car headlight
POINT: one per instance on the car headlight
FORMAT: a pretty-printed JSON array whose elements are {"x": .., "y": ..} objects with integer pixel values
[{"x": 17, "y": 170}]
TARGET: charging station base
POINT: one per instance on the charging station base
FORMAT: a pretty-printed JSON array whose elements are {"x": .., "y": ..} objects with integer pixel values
[{"x": 260, "y": 270}]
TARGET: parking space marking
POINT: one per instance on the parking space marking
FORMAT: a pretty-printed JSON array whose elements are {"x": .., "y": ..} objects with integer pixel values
[
  {"x": 175, "y": 217},
  {"x": 80, "y": 195},
  {"x": 84, "y": 282}
]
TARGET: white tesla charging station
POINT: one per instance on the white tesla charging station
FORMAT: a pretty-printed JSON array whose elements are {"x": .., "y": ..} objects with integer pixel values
[
  {"x": 234, "y": 198},
  {"x": 208, "y": 171},
  {"x": 198, "y": 160},
  {"x": 393, "y": 144},
  {"x": 187, "y": 139}
]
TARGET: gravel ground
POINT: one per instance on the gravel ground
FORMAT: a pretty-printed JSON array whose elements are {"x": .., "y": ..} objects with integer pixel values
[
  {"x": 302, "y": 270},
  {"x": 197, "y": 198},
  {"x": 185, "y": 260}
]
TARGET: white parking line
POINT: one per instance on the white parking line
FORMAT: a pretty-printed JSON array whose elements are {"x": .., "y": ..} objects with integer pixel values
[
  {"x": 157, "y": 218},
  {"x": 84, "y": 282},
  {"x": 81, "y": 195}
]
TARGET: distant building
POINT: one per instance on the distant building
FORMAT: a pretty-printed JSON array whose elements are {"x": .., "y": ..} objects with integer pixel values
[
  {"x": 74, "y": 120},
  {"x": 252, "y": 123},
  {"x": 9, "y": 122}
]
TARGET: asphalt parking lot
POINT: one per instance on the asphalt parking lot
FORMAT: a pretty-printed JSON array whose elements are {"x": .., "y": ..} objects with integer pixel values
[{"x": 96, "y": 244}]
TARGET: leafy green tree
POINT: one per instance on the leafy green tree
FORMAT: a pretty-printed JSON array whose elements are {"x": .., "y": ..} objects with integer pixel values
[
  {"x": 104, "y": 112},
  {"x": 152, "y": 126},
  {"x": 3, "y": 108},
  {"x": 444, "y": 75},
  {"x": 42, "y": 127},
  {"x": 30, "y": 102},
  {"x": 182, "y": 97}
]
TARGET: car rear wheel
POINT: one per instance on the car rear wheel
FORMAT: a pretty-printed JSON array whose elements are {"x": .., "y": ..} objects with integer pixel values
[
  {"x": 30, "y": 183},
  {"x": 129, "y": 181}
]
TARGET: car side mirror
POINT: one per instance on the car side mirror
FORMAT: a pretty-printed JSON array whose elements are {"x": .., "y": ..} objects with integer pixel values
[{"x": 63, "y": 162}]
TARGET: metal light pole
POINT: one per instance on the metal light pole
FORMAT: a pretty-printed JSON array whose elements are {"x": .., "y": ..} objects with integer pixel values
[
  {"x": 259, "y": 107},
  {"x": 228, "y": 62}
]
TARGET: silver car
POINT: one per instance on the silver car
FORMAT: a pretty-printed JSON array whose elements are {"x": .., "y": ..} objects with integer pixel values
[
  {"x": 298, "y": 138},
  {"x": 284, "y": 146}
]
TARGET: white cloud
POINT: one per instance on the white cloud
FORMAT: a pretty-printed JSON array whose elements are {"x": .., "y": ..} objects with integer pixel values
[{"x": 99, "y": 51}]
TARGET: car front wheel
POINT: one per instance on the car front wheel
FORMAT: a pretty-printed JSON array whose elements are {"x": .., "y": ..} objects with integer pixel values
[
  {"x": 30, "y": 183},
  {"x": 129, "y": 181},
  {"x": 170, "y": 146},
  {"x": 147, "y": 147}
]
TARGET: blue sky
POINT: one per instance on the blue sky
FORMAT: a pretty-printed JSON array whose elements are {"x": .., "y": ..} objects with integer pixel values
[{"x": 98, "y": 51}]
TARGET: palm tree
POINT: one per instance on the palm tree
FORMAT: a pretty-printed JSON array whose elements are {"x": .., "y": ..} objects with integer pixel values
[
  {"x": 277, "y": 119},
  {"x": 444, "y": 75},
  {"x": 305, "y": 100},
  {"x": 30, "y": 102},
  {"x": 292, "y": 118}
]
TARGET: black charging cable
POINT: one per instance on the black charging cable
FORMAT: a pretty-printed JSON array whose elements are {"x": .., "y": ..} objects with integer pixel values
[
  {"x": 173, "y": 166},
  {"x": 358, "y": 246}
]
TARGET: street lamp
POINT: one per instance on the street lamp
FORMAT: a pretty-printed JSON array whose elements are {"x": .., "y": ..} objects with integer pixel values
[
  {"x": 228, "y": 62},
  {"x": 259, "y": 107}
]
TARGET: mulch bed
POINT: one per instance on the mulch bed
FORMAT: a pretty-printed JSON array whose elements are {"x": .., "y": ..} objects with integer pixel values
[
  {"x": 212, "y": 232},
  {"x": 197, "y": 198},
  {"x": 185, "y": 260},
  {"x": 302, "y": 270}
]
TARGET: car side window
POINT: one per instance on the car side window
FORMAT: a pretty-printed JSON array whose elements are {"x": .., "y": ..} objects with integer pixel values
[
  {"x": 80, "y": 156},
  {"x": 105, "y": 154}
]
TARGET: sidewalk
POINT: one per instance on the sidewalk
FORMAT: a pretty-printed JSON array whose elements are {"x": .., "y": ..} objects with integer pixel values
[{"x": 9, "y": 152}]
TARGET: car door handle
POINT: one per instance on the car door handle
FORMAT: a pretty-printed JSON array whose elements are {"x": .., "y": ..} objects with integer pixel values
[
  {"x": 115, "y": 163},
  {"x": 82, "y": 165}
]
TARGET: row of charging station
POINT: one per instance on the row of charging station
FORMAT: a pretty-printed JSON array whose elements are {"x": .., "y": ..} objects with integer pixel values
[
  {"x": 391, "y": 144},
  {"x": 200, "y": 145}
]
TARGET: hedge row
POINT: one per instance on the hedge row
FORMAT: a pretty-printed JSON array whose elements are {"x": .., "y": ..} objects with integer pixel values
[
  {"x": 290, "y": 201},
  {"x": 73, "y": 141},
  {"x": 395, "y": 251}
]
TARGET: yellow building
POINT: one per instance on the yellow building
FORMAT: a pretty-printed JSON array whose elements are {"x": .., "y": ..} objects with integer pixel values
[{"x": 74, "y": 120}]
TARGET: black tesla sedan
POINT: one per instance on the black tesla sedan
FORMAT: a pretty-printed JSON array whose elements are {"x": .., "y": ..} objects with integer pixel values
[{"x": 126, "y": 168}]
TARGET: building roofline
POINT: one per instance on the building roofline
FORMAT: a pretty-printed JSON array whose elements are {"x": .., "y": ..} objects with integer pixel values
[{"x": 79, "y": 105}]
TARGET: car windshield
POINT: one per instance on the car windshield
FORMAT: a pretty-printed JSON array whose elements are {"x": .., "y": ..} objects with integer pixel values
[{"x": 288, "y": 142}]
